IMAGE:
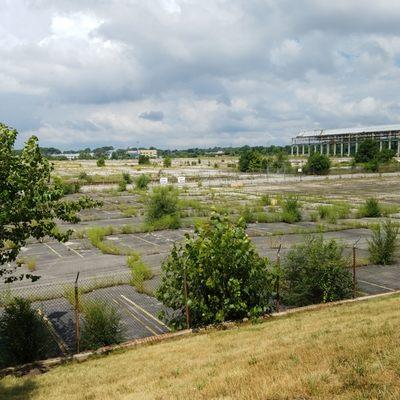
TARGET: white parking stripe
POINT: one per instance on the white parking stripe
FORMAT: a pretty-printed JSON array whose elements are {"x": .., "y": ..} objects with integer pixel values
[
  {"x": 147, "y": 241},
  {"x": 144, "y": 311},
  {"x": 70, "y": 248},
  {"x": 54, "y": 251},
  {"x": 379, "y": 286}
]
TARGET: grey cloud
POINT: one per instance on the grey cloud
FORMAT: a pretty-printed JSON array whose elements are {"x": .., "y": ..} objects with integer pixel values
[{"x": 152, "y": 115}]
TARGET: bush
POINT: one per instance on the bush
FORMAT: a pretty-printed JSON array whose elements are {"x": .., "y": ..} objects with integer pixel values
[
  {"x": 332, "y": 212},
  {"x": 167, "y": 162},
  {"x": 370, "y": 209},
  {"x": 317, "y": 164},
  {"x": 102, "y": 325},
  {"x": 144, "y": 160},
  {"x": 382, "y": 245},
  {"x": 101, "y": 162},
  {"x": 122, "y": 185},
  {"x": 291, "y": 210},
  {"x": 140, "y": 272},
  {"x": 315, "y": 272},
  {"x": 227, "y": 279},
  {"x": 24, "y": 337},
  {"x": 142, "y": 181},
  {"x": 162, "y": 202},
  {"x": 67, "y": 187},
  {"x": 126, "y": 177}
]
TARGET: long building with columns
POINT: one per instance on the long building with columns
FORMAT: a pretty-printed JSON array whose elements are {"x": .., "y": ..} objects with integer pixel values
[{"x": 344, "y": 142}]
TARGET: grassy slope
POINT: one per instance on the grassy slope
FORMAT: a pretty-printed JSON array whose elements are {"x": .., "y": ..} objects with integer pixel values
[{"x": 345, "y": 352}]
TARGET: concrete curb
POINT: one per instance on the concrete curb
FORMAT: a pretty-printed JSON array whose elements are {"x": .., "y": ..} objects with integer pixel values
[{"x": 45, "y": 365}]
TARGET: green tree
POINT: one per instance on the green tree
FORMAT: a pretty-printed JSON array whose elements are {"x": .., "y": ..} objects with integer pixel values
[
  {"x": 24, "y": 337},
  {"x": 250, "y": 161},
  {"x": 163, "y": 202},
  {"x": 315, "y": 272},
  {"x": 30, "y": 203},
  {"x": 368, "y": 150},
  {"x": 101, "y": 162},
  {"x": 317, "y": 164},
  {"x": 167, "y": 162},
  {"x": 143, "y": 160},
  {"x": 227, "y": 279}
]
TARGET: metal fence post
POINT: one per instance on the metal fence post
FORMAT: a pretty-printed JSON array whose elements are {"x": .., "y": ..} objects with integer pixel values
[
  {"x": 354, "y": 267},
  {"x": 77, "y": 320},
  {"x": 278, "y": 278},
  {"x": 185, "y": 291}
]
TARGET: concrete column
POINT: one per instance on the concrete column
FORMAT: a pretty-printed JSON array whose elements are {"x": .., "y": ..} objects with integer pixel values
[
  {"x": 297, "y": 150},
  {"x": 380, "y": 145},
  {"x": 349, "y": 148},
  {"x": 303, "y": 149},
  {"x": 356, "y": 145},
  {"x": 341, "y": 148},
  {"x": 327, "y": 149},
  {"x": 390, "y": 143},
  {"x": 398, "y": 146},
  {"x": 321, "y": 148},
  {"x": 334, "y": 149}
]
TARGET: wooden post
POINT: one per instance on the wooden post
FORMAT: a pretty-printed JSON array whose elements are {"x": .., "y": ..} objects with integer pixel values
[{"x": 77, "y": 321}]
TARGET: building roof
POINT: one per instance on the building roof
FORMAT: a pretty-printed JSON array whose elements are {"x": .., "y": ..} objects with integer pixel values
[{"x": 350, "y": 131}]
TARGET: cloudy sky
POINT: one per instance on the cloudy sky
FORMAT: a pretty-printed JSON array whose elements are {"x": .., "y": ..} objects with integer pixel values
[{"x": 188, "y": 73}]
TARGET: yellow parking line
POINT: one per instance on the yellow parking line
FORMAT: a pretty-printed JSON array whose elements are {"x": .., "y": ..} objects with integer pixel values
[
  {"x": 374, "y": 284},
  {"x": 144, "y": 311},
  {"x": 54, "y": 251},
  {"x": 137, "y": 319}
]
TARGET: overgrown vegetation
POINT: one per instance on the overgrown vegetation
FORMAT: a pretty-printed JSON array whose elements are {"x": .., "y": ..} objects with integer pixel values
[
  {"x": 163, "y": 207},
  {"x": 101, "y": 162},
  {"x": 140, "y": 272},
  {"x": 383, "y": 244},
  {"x": 371, "y": 156},
  {"x": 315, "y": 272},
  {"x": 226, "y": 278},
  {"x": 370, "y": 209},
  {"x": 102, "y": 325},
  {"x": 291, "y": 210},
  {"x": 142, "y": 181},
  {"x": 24, "y": 336},
  {"x": 317, "y": 164},
  {"x": 96, "y": 236}
]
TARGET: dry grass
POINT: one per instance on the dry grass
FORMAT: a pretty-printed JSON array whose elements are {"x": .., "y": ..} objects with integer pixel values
[{"x": 345, "y": 352}]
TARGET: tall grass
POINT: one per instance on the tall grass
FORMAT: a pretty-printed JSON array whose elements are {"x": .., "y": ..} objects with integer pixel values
[{"x": 383, "y": 243}]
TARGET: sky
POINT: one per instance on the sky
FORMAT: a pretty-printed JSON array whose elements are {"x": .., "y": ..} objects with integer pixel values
[{"x": 195, "y": 73}]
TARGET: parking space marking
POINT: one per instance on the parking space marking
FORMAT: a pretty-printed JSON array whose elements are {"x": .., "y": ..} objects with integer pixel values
[
  {"x": 147, "y": 241},
  {"x": 137, "y": 319},
  {"x": 73, "y": 250},
  {"x": 145, "y": 312},
  {"x": 54, "y": 251},
  {"x": 379, "y": 286}
]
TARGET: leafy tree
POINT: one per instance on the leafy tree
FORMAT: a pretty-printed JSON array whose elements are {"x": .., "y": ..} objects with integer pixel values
[
  {"x": 227, "y": 279},
  {"x": 30, "y": 203},
  {"x": 250, "y": 161},
  {"x": 315, "y": 272},
  {"x": 163, "y": 202},
  {"x": 142, "y": 181},
  {"x": 367, "y": 151},
  {"x": 317, "y": 164},
  {"x": 101, "y": 162},
  {"x": 382, "y": 245},
  {"x": 144, "y": 160},
  {"x": 167, "y": 162},
  {"x": 23, "y": 336}
]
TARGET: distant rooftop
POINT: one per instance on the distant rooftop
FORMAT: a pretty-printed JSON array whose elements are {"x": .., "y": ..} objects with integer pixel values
[{"x": 351, "y": 131}]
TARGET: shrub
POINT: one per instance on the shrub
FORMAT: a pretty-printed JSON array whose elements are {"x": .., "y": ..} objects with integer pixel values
[
  {"x": 122, "y": 185},
  {"x": 24, "y": 337},
  {"x": 317, "y": 164},
  {"x": 102, "y": 325},
  {"x": 315, "y": 272},
  {"x": 227, "y": 279},
  {"x": 69, "y": 187},
  {"x": 129, "y": 211},
  {"x": 126, "y": 177},
  {"x": 101, "y": 162},
  {"x": 162, "y": 202},
  {"x": 291, "y": 210},
  {"x": 142, "y": 181},
  {"x": 167, "y": 162},
  {"x": 265, "y": 200},
  {"x": 382, "y": 245},
  {"x": 140, "y": 272},
  {"x": 144, "y": 160},
  {"x": 332, "y": 212},
  {"x": 96, "y": 236},
  {"x": 370, "y": 209}
]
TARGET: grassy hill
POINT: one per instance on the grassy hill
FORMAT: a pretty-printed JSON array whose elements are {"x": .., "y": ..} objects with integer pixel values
[{"x": 343, "y": 352}]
